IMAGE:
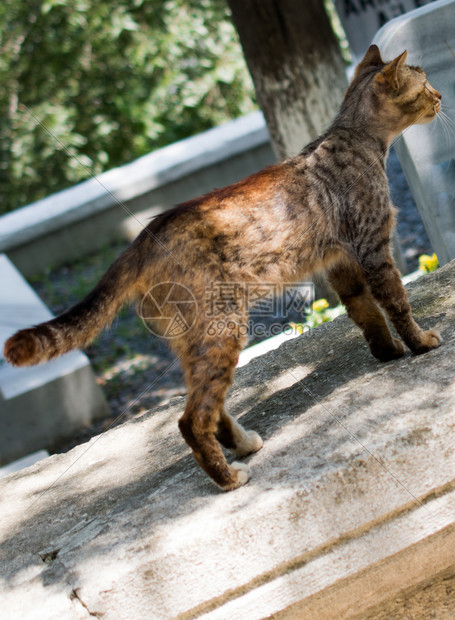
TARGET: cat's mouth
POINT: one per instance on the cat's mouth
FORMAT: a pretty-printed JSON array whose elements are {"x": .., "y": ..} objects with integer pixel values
[
  {"x": 431, "y": 114},
  {"x": 435, "y": 111}
]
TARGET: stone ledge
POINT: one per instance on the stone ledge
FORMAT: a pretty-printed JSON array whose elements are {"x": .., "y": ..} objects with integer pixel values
[
  {"x": 42, "y": 404},
  {"x": 120, "y": 202},
  {"x": 351, "y": 502}
]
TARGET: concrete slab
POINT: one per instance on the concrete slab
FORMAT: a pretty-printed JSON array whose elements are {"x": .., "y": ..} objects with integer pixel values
[
  {"x": 351, "y": 503},
  {"x": 42, "y": 404}
]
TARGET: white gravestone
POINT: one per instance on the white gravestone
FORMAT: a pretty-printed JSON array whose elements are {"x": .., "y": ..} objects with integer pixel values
[{"x": 361, "y": 19}]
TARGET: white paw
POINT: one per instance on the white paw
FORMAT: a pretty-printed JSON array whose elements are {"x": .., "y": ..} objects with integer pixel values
[
  {"x": 255, "y": 441},
  {"x": 251, "y": 442},
  {"x": 243, "y": 472}
]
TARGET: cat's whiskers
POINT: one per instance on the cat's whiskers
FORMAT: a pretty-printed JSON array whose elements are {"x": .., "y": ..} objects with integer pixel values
[
  {"x": 448, "y": 126},
  {"x": 444, "y": 116},
  {"x": 448, "y": 108}
]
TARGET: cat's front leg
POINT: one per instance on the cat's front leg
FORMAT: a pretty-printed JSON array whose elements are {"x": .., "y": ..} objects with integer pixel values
[
  {"x": 349, "y": 282},
  {"x": 386, "y": 286}
]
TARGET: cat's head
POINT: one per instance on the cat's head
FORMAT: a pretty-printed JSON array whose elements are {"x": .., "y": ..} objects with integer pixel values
[{"x": 400, "y": 94}]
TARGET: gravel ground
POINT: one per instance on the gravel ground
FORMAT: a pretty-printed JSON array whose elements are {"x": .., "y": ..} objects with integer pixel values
[{"x": 135, "y": 369}]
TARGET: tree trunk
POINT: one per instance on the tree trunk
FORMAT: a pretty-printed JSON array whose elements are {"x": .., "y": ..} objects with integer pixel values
[{"x": 296, "y": 65}]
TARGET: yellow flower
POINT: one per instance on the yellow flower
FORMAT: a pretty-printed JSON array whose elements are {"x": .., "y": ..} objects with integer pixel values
[
  {"x": 428, "y": 263},
  {"x": 320, "y": 305}
]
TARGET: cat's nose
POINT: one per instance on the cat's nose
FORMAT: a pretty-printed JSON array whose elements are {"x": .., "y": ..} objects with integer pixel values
[{"x": 437, "y": 94}]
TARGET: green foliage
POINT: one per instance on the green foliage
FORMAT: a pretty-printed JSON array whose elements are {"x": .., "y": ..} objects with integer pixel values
[{"x": 87, "y": 86}]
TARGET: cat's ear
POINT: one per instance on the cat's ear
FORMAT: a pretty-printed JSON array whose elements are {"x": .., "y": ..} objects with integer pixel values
[
  {"x": 390, "y": 73},
  {"x": 372, "y": 58}
]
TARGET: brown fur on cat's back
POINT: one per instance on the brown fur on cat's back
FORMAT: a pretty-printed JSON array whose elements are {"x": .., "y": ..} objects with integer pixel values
[{"x": 327, "y": 208}]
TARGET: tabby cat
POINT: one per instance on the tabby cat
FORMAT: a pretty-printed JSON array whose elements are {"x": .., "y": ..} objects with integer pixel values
[{"x": 327, "y": 209}]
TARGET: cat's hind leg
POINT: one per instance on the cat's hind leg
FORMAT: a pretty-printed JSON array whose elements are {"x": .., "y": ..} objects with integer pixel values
[
  {"x": 235, "y": 438},
  {"x": 348, "y": 280},
  {"x": 209, "y": 368}
]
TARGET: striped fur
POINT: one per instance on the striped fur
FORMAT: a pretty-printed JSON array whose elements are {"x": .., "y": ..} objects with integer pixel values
[{"x": 327, "y": 208}]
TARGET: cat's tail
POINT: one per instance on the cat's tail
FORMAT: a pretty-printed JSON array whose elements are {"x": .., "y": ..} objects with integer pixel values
[{"x": 79, "y": 325}]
